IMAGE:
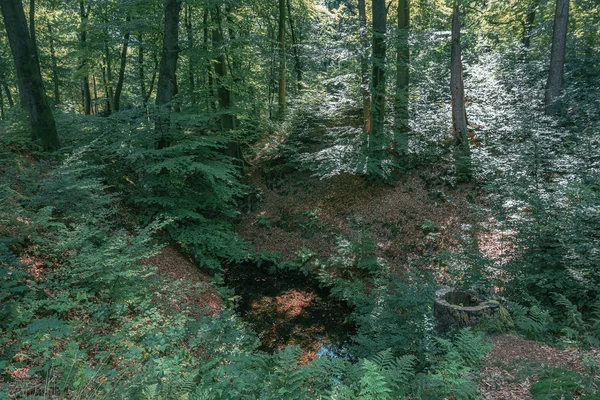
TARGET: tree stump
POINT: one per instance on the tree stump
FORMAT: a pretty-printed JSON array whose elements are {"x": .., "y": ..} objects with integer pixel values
[{"x": 456, "y": 308}]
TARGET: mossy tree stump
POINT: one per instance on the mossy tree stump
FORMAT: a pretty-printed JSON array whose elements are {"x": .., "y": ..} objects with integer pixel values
[{"x": 456, "y": 308}]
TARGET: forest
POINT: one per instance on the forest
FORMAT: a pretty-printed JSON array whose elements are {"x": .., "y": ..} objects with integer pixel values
[{"x": 300, "y": 199}]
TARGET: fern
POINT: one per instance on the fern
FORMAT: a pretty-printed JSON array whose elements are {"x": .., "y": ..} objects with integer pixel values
[
  {"x": 531, "y": 320},
  {"x": 373, "y": 385}
]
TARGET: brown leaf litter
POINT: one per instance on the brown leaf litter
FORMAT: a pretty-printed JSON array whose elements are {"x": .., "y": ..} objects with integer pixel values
[{"x": 499, "y": 382}]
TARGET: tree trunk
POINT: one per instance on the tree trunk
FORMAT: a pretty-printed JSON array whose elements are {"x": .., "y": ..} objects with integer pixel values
[
  {"x": 376, "y": 139},
  {"x": 55, "y": 79},
  {"x": 282, "y": 78},
  {"x": 462, "y": 151},
  {"x": 121, "y": 78},
  {"x": 227, "y": 119},
  {"x": 2, "y": 115},
  {"x": 364, "y": 66},
  {"x": 401, "y": 117},
  {"x": 167, "y": 73},
  {"x": 190, "y": 48},
  {"x": 528, "y": 23},
  {"x": 209, "y": 72},
  {"x": 557, "y": 58},
  {"x": 85, "y": 81},
  {"x": 95, "y": 108},
  {"x": 32, "y": 33},
  {"x": 4, "y": 84},
  {"x": 43, "y": 127},
  {"x": 9, "y": 98},
  {"x": 297, "y": 65},
  {"x": 110, "y": 96}
]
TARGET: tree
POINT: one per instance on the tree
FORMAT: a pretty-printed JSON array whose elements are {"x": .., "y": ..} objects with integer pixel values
[
  {"x": 528, "y": 22},
  {"x": 282, "y": 104},
  {"x": 378, "y": 81},
  {"x": 462, "y": 151},
  {"x": 297, "y": 64},
  {"x": 31, "y": 88},
  {"x": 119, "y": 88},
  {"x": 364, "y": 67},
  {"x": 167, "y": 79},
  {"x": 85, "y": 81},
  {"x": 557, "y": 58},
  {"x": 402, "y": 77}
]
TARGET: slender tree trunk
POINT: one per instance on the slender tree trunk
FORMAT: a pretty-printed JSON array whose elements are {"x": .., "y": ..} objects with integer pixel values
[
  {"x": 43, "y": 127},
  {"x": 2, "y": 115},
  {"x": 4, "y": 84},
  {"x": 190, "y": 49},
  {"x": 85, "y": 81},
  {"x": 227, "y": 119},
  {"x": 9, "y": 98},
  {"x": 109, "y": 79},
  {"x": 282, "y": 77},
  {"x": 529, "y": 23},
  {"x": 107, "y": 109},
  {"x": 376, "y": 138},
  {"x": 95, "y": 108},
  {"x": 119, "y": 88},
  {"x": 297, "y": 64},
  {"x": 55, "y": 79},
  {"x": 462, "y": 151},
  {"x": 364, "y": 66},
  {"x": 557, "y": 59},
  {"x": 167, "y": 74},
  {"x": 209, "y": 72},
  {"x": 401, "y": 117},
  {"x": 32, "y": 30},
  {"x": 142, "y": 74}
]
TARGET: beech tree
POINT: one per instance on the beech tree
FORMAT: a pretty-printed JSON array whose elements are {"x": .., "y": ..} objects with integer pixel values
[
  {"x": 378, "y": 80},
  {"x": 402, "y": 77},
  {"x": 31, "y": 88},
  {"x": 167, "y": 79},
  {"x": 462, "y": 151},
  {"x": 554, "y": 84},
  {"x": 282, "y": 77},
  {"x": 364, "y": 67}
]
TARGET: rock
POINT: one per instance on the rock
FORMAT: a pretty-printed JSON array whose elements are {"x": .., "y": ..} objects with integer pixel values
[{"x": 456, "y": 308}]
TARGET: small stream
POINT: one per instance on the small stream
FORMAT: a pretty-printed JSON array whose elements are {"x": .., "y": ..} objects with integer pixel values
[{"x": 289, "y": 308}]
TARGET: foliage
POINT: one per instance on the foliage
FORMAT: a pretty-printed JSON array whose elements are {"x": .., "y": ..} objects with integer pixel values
[
  {"x": 193, "y": 166},
  {"x": 562, "y": 384}
]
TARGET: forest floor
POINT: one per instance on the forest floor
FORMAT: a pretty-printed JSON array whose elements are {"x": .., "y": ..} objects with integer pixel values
[{"x": 410, "y": 222}]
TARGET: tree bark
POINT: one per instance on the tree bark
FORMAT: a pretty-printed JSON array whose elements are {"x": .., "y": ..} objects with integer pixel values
[
  {"x": 378, "y": 79},
  {"x": 209, "y": 72},
  {"x": 282, "y": 68},
  {"x": 2, "y": 115},
  {"x": 364, "y": 65},
  {"x": 167, "y": 74},
  {"x": 297, "y": 65},
  {"x": 554, "y": 84},
  {"x": 43, "y": 127},
  {"x": 119, "y": 88},
  {"x": 110, "y": 96},
  {"x": 55, "y": 79},
  {"x": 85, "y": 81},
  {"x": 32, "y": 33},
  {"x": 401, "y": 117},
  {"x": 190, "y": 48},
  {"x": 4, "y": 84},
  {"x": 227, "y": 119},
  {"x": 462, "y": 151},
  {"x": 529, "y": 23},
  {"x": 95, "y": 107}
]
